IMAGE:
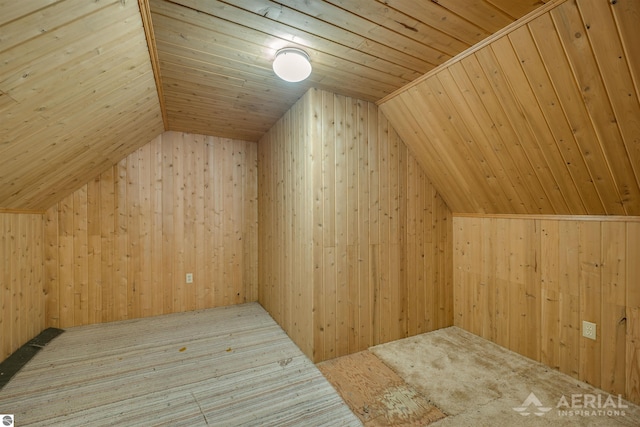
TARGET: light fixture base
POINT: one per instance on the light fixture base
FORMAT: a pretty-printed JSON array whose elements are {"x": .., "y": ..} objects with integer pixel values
[{"x": 292, "y": 64}]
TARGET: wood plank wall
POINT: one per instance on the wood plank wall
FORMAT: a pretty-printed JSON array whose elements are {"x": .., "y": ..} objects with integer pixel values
[
  {"x": 355, "y": 243},
  {"x": 528, "y": 283},
  {"x": 120, "y": 246},
  {"x": 540, "y": 119},
  {"x": 285, "y": 225},
  {"x": 21, "y": 280}
]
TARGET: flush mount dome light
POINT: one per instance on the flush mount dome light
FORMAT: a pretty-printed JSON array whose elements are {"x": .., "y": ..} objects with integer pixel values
[{"x": 292, "y": 64}]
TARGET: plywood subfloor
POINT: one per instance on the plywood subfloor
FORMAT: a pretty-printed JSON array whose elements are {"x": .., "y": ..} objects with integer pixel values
[
  {"x": 376, "y": 394},
  {"x": 478, "y": 383},
  {"x": 224, "y": 367}
]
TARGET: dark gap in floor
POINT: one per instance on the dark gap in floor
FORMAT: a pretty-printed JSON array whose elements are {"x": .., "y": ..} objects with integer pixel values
[{"x": 12, "y": 364}]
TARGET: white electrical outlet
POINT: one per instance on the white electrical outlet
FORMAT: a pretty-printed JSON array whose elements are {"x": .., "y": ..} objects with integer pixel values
[
  {"x": 189, "y": 278},
  {"x": 588, "y": 330}
]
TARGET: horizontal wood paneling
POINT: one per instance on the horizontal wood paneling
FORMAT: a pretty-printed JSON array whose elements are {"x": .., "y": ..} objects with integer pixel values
[
  {"x": 21, "y": 280},
  {"x": 542, "y": 119},
  {"x": 527, "y": 284},
  {"x": 77, "y": 94},
  {"x": 120, "y": 246},
  {"x": 355, "y": 243},
  {"x": 215, "y": 56}
]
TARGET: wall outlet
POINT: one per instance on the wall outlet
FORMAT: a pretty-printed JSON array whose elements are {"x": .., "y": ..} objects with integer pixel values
[
  {"x": 588, "y": 330},
  {"x": 189, "y": 278}
]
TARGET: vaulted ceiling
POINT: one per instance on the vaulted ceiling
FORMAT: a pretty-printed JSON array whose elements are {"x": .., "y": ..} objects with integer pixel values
[
  {"x": 82, "y": 84},
  {"x": 542, "y": 118}
]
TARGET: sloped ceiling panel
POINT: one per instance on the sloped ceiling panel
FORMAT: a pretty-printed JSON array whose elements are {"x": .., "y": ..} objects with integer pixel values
[
  {"x": 77, "y": 94},
  {"x": 543, "y": 118},
  {"x": 215, "y": 55}
]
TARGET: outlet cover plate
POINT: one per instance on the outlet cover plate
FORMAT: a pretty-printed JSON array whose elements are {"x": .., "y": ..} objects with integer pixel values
[
  {"x": 189, "y": 278},
  {"x": 588, "y": 330}
]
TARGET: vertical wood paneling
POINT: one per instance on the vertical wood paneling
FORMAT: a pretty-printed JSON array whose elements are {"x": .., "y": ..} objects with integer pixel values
[
  {"x": 540, "y": 118},
  {"x": 590, "y": 266},
  {"x": 613, "y": 308},
  {"x": 569, "y": 297},
  {"x": 22, "y": 264},
  {"x": 556, "y": 273},
  {"x": 292, "y": 251},
  {"x": 550, "y": 293},
  {"x": 632, "y": 365},
  {"x": 120, "y": 246},
  {"x": 361, "y": 189}
]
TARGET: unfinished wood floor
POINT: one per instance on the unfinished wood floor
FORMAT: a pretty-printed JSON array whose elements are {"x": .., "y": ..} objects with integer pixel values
[{"x": 224, "y": 366}]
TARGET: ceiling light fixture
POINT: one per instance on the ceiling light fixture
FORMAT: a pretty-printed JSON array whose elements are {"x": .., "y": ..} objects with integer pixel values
[{"x": 292, "y": 64}]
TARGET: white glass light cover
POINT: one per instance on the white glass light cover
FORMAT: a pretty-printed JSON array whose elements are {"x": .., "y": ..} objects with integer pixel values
[{"x": 292, "y": 64}]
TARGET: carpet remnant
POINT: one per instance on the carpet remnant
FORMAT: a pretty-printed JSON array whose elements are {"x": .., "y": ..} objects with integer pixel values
[
  {"x": 376, "y": 394},
  {"x": 478, "y": 383}
]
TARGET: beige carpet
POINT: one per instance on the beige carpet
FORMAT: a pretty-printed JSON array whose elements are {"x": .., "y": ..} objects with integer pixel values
[{"x": 478, "y": 383}]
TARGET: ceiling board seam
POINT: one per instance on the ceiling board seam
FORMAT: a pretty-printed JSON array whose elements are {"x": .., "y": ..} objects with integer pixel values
[
  {"x": 444, "y": 30},
  {"x": 473, "y": 49},
  {"x": 532, "y": 136},
  {"x": 558, "y": 16},
  {"x": 12, "y": 44},
  {"x": 349, "y": 28},
  {"x": 492, "y": 4},
  {"x": 391, "y": 30},
  {"x": 145, "y": 14},
  {"x": 586, "y": 149},
  {"x": 526, "y": 139},
  {"x": 552, "y": 217},
  {"x": 504, "y": 131},
  {"x": 462, "y": 110},
  {"x": 615, "y": 106},
  {"x": 626, "y": 50},
  {"x": 307, "y": 36},
  {"x": 535, "y": 37},
  {"x": 22, "y": 211}
]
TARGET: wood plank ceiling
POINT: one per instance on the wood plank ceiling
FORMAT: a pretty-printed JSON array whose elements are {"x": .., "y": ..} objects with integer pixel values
[
  {"x": 215, "y": 56},
  {"x": 78, "y": 90},
  {"x": 77, "y": 94},
  {"x": 545, "y": 119}
]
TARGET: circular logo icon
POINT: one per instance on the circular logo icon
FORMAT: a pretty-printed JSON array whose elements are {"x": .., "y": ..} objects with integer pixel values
[{"x": 7, "y": 420}]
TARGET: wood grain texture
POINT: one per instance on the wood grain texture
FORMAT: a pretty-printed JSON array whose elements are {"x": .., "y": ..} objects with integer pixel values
[
  {"x": 355, "y": 244},
  {"x": 542, "y": 118},
  {"x": 22, "y": 259},
  {"x": 215, "y": 56},
  {"x": 78, "y": 94},
  {"x": 552, "y": 274},
  {"x": 120, "y": 246}
]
